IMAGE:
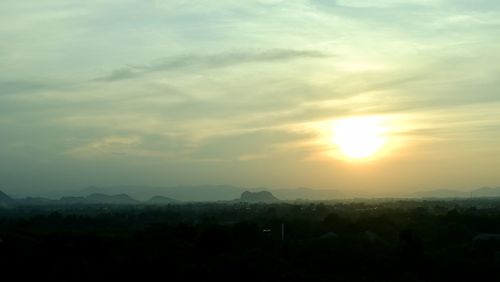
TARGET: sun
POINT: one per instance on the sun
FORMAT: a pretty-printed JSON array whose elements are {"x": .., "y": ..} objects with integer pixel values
[{"x": 359, "y": 137}]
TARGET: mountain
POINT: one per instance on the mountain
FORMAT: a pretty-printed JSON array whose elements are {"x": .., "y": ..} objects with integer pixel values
[
  {"x": 98, "y": 198},
  {"x": 36, "y": 201},
  {"x": 160, "y": 200},
  {"x": 121, "y": 199},
  {"x": 202, "y": 193},
  {"x": 486, "y": 192},
  {"x": 207, "y": 193},
  {"x": 258, "y": 197},
  {"x": 306, "y": 194},
  {"x": 72, "y": 200},
  {"x": 6, "y": 201},
  {"x": 447, "y": 193},
  {"x": 212, "y": 193},
  {"x": 441, "y": 193}
]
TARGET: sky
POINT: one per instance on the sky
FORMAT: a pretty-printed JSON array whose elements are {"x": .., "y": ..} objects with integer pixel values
[{"x": 247, "y": 93}]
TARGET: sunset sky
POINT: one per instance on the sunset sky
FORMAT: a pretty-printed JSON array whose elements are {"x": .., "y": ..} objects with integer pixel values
[{"x": 250, "y": 93}]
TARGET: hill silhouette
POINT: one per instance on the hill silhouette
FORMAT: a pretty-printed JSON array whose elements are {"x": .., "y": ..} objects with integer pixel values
[
  {"x": 6, "y": 201},
  {"x": 258, "y": 197},
  {"x": 486, "y": 192},
  {"x": 160, "y": 200},
  {"x": 206, "y": 193}
]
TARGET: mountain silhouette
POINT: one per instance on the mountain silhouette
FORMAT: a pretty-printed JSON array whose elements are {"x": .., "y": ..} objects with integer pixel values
[
  {"x": 441, "y": 193},
  {"x": 98, "y": 198},
  {"x": 36, "y": 201},
  {"x": 122, "y": 199},
  {"x": 303, "y": 193},
  {"x": 258, "y": 197},
  {"x": 6, "y": 201},
  {"x": 486, "y": 192},
  {"x": 160, "y": 200},
  {"x": 207, "y": 193}
]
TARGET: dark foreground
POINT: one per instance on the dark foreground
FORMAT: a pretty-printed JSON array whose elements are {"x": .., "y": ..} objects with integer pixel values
[{"x": 392, "y": 241}]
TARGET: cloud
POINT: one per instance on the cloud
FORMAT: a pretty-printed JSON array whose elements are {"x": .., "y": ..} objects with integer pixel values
[
  {"x": 197, "y": 62},
  {"x": 252, "y": 145},
  {"x": 130, "y": 144},
  {"x": 24, "y": 86},
  {"x": 104, "y": 147},
  {"x": 120, "y": 74},
  {"x": 227, "y": 81},
  {"x": 379, "y": 3}
]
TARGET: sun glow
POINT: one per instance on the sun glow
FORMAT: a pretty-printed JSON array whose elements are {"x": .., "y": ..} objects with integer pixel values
[{"x": 359, "y": 137}]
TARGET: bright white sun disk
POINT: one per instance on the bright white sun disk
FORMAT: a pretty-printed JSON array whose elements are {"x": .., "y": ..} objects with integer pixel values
[{"x": 359, "y": 137}]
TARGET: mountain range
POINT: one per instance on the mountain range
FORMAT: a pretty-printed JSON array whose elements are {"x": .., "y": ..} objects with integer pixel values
[
  {"x": 92, "y": 199},
  {"x": 204, "y": 193},
  {"x": 5, "y": 200},
  {"x": 121, "y": 199},
  {"x": 133, "y": 195},
  {"x": 258, "y": 197},
  {"x": 483, "y": 192}
]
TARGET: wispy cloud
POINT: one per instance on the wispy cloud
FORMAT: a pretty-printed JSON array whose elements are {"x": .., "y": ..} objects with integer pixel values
[
  {"x": 196, "y": 62},
  {"x": 219, "y": 83}
]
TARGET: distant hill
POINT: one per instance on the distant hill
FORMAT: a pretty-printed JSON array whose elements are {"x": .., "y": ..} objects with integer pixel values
[
  {"x": 122, "y": 199},
  {"x": 97, "y": 198},
  {"x": 72, "y": 200},
  {"x": 258, "y": 197},
  {"x": 128, "y": 195},
  {"x": 36, "y": 201},
  {"x": 207, "y": 193},
  {"x": 483, "y": 192},
  {"x": 160, "y": 200},
  {"x": 441, "y": 193},
  {"x": 6, "y": 201},
  {"x": 204, "y": 193},
  {"x": 486, "y": 192},
  {"x": 306, "y": 194}
]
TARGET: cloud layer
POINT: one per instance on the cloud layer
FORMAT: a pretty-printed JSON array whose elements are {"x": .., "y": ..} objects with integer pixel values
[{"x": 178, "y": 92}]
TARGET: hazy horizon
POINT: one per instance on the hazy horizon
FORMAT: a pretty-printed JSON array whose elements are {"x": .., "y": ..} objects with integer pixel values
[
  {"x": 221, "y": 192},
  {"x": 368, "y": 97}
]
